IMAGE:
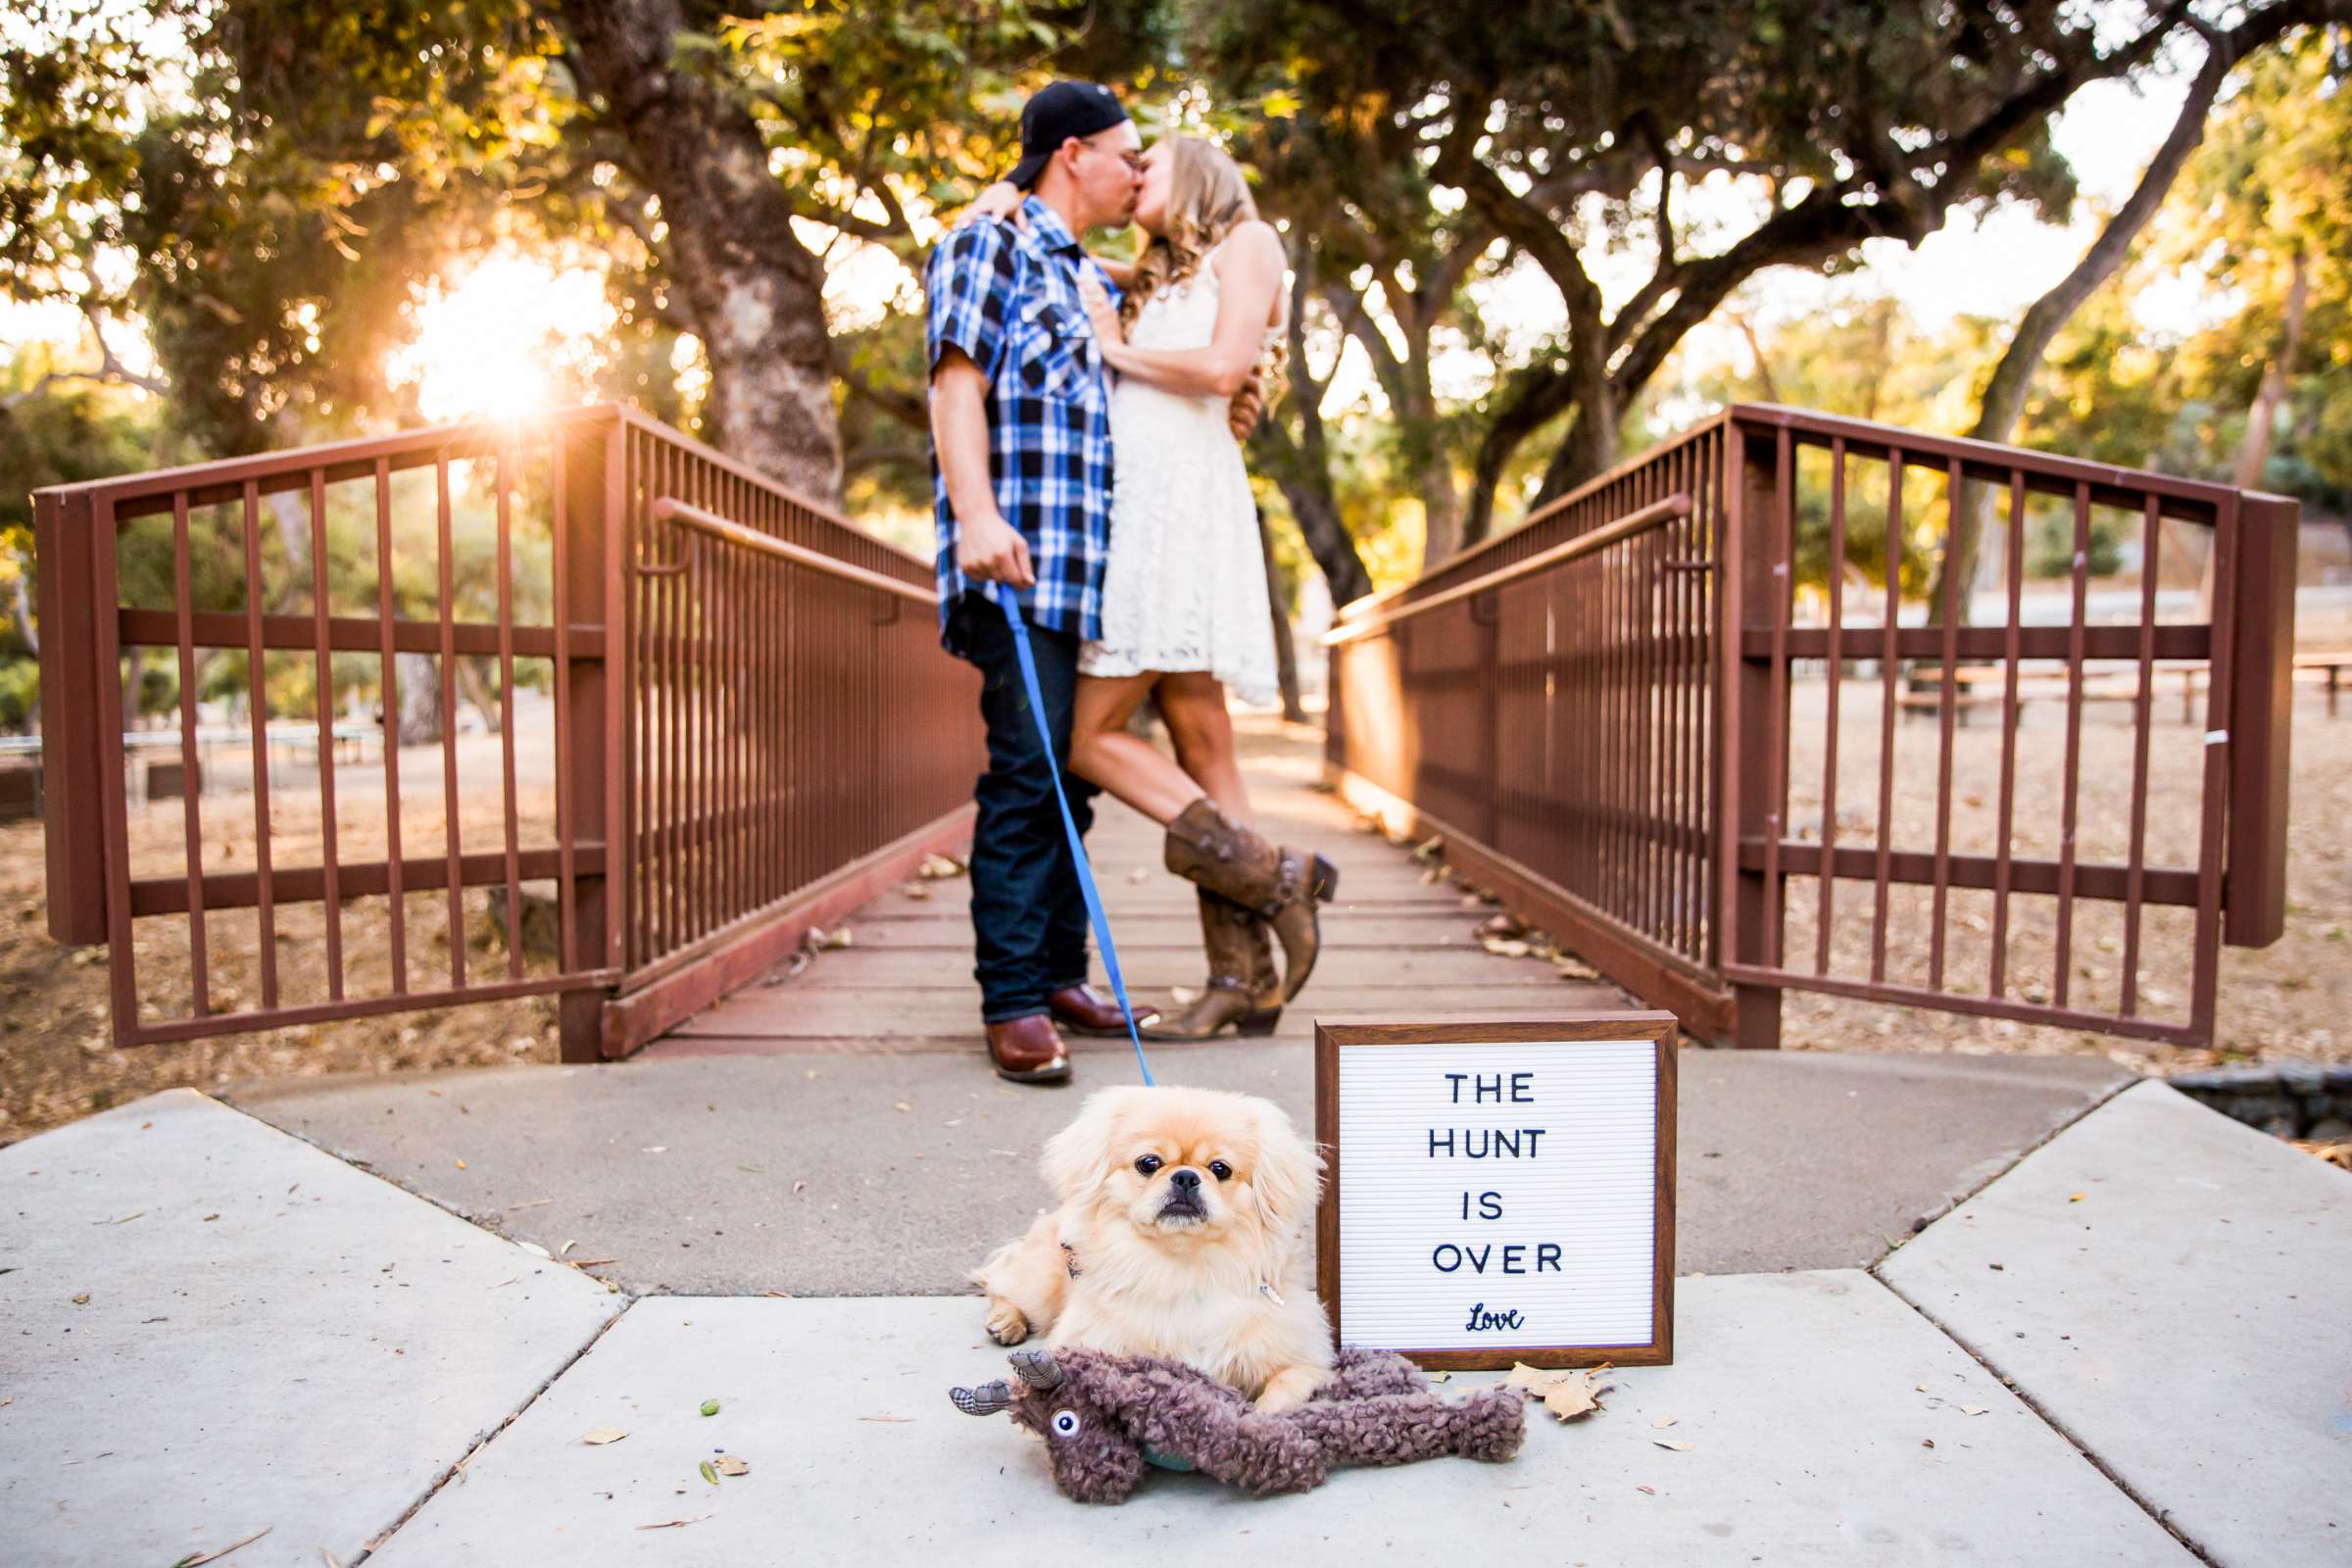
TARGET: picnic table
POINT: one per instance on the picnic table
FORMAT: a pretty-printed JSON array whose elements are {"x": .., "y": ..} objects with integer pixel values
[{"x": 1923, "y": 691}]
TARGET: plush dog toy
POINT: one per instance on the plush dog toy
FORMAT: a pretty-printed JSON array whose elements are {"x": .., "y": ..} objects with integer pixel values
[{"x": 1105, "y": 1417}]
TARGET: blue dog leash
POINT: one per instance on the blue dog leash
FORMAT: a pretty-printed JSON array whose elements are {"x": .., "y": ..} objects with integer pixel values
[{"x": 1069, "y": 825}]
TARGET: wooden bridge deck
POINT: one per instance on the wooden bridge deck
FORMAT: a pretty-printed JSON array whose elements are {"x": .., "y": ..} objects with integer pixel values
[{"x": 1397, "y": 947}]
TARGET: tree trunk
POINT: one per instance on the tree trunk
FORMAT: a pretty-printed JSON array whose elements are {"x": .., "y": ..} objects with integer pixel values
[
  {"x": 2012, "y": 380},
  {"x": 755, "y": 290},
  {"x": 419, "y": 721},
  {"x": 2255, "y": 453},
  {"x": 1285, "y": 649}
]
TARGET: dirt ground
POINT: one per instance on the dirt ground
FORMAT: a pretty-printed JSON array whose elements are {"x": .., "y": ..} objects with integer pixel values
[{"x": 2291, "y": 1002}]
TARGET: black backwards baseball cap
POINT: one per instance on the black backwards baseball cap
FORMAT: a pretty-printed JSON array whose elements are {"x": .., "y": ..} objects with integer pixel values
[{"x": 1056, "y": 113}]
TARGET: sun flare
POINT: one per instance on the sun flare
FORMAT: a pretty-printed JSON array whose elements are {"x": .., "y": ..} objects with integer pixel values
[{"x": 511, "y": 336}]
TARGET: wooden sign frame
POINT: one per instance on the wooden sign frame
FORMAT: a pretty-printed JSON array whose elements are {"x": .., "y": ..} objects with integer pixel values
[{"x": 1660, "y": 1028}]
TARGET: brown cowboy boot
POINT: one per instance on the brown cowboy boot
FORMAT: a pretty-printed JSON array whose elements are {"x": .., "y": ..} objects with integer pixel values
[
  {"x": 1028, "y": 1051},
  {"x": 1243, "y": 988},
  {"x": 1282, "y": 886}
]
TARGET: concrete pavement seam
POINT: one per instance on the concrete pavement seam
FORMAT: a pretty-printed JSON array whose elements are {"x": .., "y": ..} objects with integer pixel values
[
  {"x": 2162, "y": 1517},
  {"x": 1921, "y": 1222},
  {"x": 511, "y": 1416}
]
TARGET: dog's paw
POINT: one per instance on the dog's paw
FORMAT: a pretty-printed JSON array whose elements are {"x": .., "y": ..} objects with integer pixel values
[{"x": 1006, "y": 1324}]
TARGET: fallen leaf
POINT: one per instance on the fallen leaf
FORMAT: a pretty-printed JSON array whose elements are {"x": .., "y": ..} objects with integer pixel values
[
  {"x": 535, "y": 1249},
  {"x": 1664, "y": 1421},
  {"x": 673, "y": 1524},
  {"x": 1502, "y": 925},
  {"x": 329, "y": 1559},
  {"x": 602, "y": 1436},
  {"x": 1670, "y": 1443},
  {"x": 1927, "y": 1442},
  {"x": 709, "y": 1472},
  {"x": 460, "y": 1166},
  {"x": 1428, "y": 847},
  {"x": 208, "y": 1218},
  {"x": 1975, "y": 1409},
  {"x": 591, "y": 1263},
  {"x": 83, "y": 1300},
  {"x": 566, "y": 1248},
  {"x": 125, "y": 1219},
  {"x": 729, "y": 1465},
  {"x": 915, "y": 891},
  {"x": 902, "y": 1105},
  {"x": 1567, "y": 1393},
  {"x": 710, "y": 1407},
  {"x": 938, "y": 866},
  {"x": 822, "y": 940},
  {"x": 196, "y": 1560},
  {"x": 1504, "y": 947},
  {"x": 800, "y": 1187},
  {"x": 2076, "y": 1198},
  {"x": 1652, "y": 1491}
]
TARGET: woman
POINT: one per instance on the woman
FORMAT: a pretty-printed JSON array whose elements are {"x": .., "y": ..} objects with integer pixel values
[{"x": 1185, "y": 611}]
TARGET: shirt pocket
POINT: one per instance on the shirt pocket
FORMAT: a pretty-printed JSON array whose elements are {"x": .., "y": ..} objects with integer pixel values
[{"x": 1056, "y": 351}]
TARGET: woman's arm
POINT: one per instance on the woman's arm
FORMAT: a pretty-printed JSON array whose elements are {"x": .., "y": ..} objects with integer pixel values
[
  {"x": 1250, "y": 267},
  {"x": 1004, "y": 200}
]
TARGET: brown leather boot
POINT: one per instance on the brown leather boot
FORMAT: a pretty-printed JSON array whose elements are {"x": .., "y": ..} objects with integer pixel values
[
  {"x": 1084, "y": 1010},
  {"x": 1028, "y": 1051},
  {"x": 1283, "y": 886},
  {"x": 1244, "y": 990}
]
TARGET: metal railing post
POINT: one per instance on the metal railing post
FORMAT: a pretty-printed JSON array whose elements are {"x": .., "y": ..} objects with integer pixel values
[
  {"x": 73, "y": 749},
  {"x": 594, "y": 680},
  {"x": 1750, "y": 729},
  {"x": 2262, "y": 671}
]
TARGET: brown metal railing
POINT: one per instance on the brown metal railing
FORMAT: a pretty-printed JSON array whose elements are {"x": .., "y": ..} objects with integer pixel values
[
  {"x": 1618, "y": 738},
  {"x": 1546, "y": 703},
  {"x": 725, "y": 712}
]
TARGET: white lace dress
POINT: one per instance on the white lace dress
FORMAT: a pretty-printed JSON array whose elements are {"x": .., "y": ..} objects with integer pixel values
[{"x": 1185, "y": 585}]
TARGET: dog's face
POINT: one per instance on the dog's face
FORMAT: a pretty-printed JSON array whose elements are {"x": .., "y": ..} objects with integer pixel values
[{"x": 1186, "y": 1166}]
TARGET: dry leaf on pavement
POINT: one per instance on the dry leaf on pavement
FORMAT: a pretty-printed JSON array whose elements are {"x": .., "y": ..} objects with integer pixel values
[
  {"x": 673, "y": 1524},
  {"x": 1504, "y": 947},
  {"x": 195, "y": 1559},
  {"x": 602, "y": 1436},
  {"x": 936, "y": 867},
  {"x": 729, "y": 1465},
  {"x": 1671, "y": 1443},
  {"x": 1566, "y": 1394},
  {"x": 1975, "y": 1409}
]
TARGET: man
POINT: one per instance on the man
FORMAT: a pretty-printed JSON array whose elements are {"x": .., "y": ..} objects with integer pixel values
[{"x": 1021, "y": 477}]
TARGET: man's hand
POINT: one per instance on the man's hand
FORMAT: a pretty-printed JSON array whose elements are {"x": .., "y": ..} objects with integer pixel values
[
  {"x": 990, "y": 550},
  {"x": 1242, "y": 414}
]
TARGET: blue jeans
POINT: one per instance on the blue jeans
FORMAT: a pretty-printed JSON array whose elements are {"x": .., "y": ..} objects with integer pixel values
[{"x": 1028, "y": 917}]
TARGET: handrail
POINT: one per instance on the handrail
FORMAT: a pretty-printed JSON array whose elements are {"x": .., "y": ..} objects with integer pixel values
[
  {"x": 667, "y": 509},
  {"x": 1639, "y": 520}
]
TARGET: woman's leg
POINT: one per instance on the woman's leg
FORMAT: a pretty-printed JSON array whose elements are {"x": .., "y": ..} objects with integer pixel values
[
  {"x": 1103, "y": 753},
  {"x": 1192, "y": 703}
]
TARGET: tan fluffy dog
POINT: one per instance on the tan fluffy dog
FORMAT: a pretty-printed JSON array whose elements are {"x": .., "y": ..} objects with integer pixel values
[{"x": 1181, "y": 1233}]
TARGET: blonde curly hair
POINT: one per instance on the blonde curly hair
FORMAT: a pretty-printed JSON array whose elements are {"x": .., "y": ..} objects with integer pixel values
[{"x": 1209, "y": 198}]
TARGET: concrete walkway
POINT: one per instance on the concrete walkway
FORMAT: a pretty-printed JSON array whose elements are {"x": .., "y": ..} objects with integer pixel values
[{"x": 1985, "y": 1309}]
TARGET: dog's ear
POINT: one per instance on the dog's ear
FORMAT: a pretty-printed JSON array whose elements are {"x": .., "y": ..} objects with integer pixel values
[
  {"x": 1289, "y": 1178},
  {"x": 1079, "y": 1158}
]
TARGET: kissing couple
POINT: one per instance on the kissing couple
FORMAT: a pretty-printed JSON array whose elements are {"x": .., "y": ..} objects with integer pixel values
[{"x": 1086, "y": 416}]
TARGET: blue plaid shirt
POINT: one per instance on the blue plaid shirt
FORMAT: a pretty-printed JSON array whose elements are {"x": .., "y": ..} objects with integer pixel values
[{"x": 1010, "y": 301}]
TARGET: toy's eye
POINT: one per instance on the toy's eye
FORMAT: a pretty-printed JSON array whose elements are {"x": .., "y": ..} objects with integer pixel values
[
  {"x": 1220, "y": 1170},
  {"x": 1148, "y": 1163},
  {"x": 1066, "y": 1423}
]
